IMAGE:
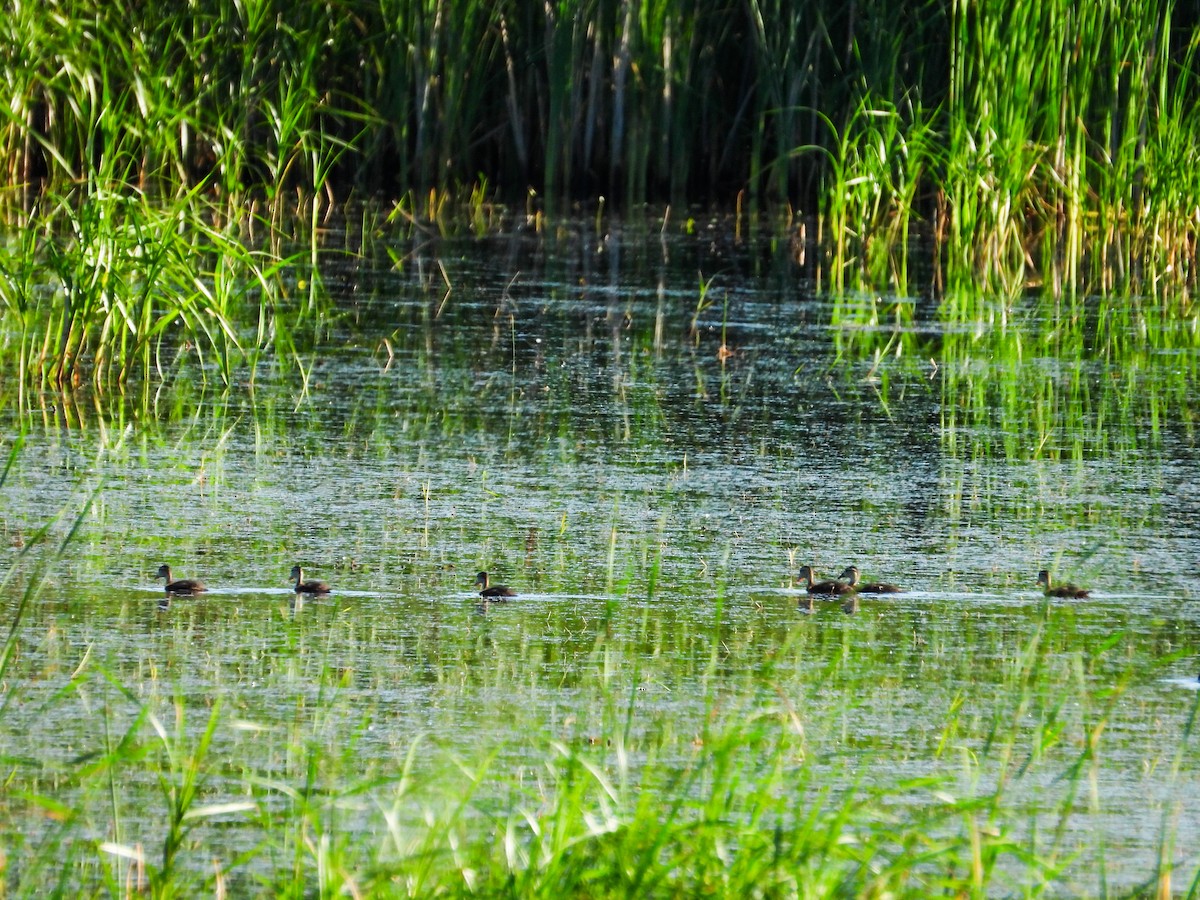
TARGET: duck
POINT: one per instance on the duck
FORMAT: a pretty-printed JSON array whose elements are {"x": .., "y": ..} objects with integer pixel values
[
  {"x": 492, "y": 591},
  {"x": 1062, "y": 590},
  {"x": 829, "y": 588},
  {"x": 850, "y": 574},
  {"x": 184, "y": 587},
  {"x": 308, "y": 587}
]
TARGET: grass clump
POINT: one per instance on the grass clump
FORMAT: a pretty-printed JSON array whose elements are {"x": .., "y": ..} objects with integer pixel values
[
  {"x": 741, "y": 811},
  {"x": 109, "y": 287}
]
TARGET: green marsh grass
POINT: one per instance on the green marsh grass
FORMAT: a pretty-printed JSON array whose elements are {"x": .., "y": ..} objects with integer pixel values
[
  {"x": 870, "y": 200},
  {"x": 171, "y": 180},
  {"x": 1050, "y": 124},
  {"x": 111, "y": 288},
  {"x": 1035, "y": 143}
]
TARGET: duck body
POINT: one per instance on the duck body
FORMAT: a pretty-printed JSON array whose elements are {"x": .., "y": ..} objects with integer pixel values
[
  {"x": 825, "y": 588},
  {"x": 851, "y": 575},
  {"x": 307, "y": 587},
  {"x": 1061, "y": 590},
  {"x": 492, "y": 591},
  {"x": 184, "y": 587}
]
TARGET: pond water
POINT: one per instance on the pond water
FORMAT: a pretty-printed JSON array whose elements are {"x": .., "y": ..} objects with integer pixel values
[{"x": 646, "y": 436}]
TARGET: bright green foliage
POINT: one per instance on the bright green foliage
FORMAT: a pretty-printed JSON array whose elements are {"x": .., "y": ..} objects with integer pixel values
[
  {"x": 669, "y": 100},
  {"x": 107, "y": 287},
  {"x": 1023, "y": 145}
]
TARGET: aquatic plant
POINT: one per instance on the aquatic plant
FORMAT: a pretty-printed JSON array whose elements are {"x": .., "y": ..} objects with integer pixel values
[
  {"x": 321, "y": 784},
  {"x": 108, "y": 286},
  {"x": 168, "y": 177},
  {"x": 1051, "y": 149},
  {"x": 881, "y": 158}
]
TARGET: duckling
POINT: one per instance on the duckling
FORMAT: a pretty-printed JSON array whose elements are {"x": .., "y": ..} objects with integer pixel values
[
  {"x": 1062, "y": 590},
  {"x": 184, "y": 587},
  {"x": 850, "y": 573},
  {"x": 492, "y": 591},
  {"x": 308, "y": 587},
  {"x": 828, "y": 588}
]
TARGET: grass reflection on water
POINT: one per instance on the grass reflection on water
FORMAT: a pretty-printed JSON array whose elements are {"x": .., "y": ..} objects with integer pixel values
[{"x": 653, "y": 714}]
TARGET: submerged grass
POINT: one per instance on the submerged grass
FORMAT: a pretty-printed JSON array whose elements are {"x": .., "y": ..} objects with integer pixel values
[{"x": 603, "y": 791}]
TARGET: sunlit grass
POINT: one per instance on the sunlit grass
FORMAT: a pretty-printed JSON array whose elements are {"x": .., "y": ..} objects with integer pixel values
[
  {"x": 112, "y": 287},
  {"x": 171, "y": 185},
  {"x": 1035, "y": 144}
]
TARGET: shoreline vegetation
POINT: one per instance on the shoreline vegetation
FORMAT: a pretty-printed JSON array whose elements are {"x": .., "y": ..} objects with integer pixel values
[
  {"x": 1034, "y": 144},
  {"x": 174, "y": 170}
]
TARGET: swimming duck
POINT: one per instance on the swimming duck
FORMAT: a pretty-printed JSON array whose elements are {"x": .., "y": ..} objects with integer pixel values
[
  {"x": 492, "y": 591},
  {"x": 184, "y": 587},
  {"x": 829, "y": 588},
  {"x": 1062, "y": 590},
  {"x": 850, "y": 573},
  {"x": 308, "y": 587}
]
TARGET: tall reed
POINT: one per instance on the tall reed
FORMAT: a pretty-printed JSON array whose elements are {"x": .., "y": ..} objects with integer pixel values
[
  {"x": 1041, "y": 145},
  {"x": 1050, "y": 108},
  {"x": 105, "y": 287},
  {"x": 575, "y": 98}
]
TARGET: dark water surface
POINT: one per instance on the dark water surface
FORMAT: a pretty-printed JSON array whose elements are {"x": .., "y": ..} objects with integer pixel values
[{"x": 561, "y": 413}]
